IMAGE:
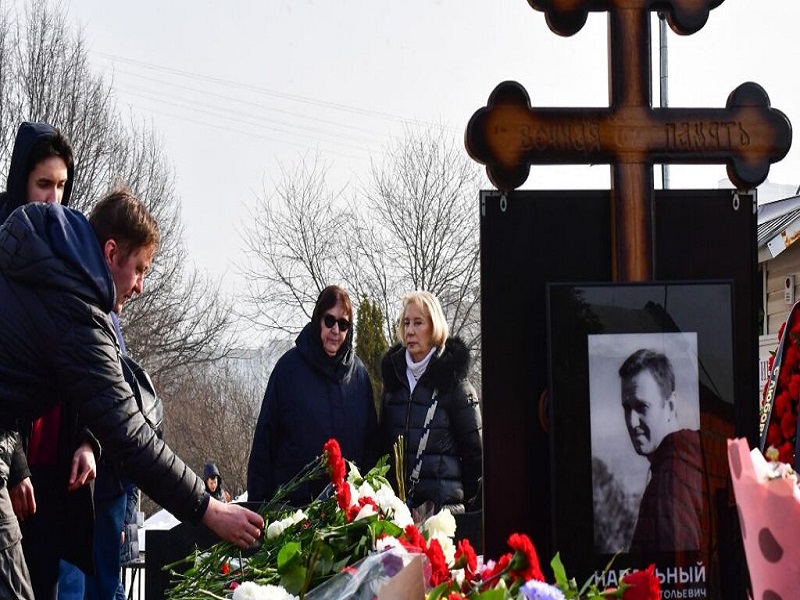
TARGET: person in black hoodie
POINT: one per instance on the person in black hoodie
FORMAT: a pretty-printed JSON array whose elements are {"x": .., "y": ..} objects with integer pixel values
[
  {"x": 58, "y": 346},
  {"x": 318, "y": 390},
  {"x": 214, "y": 483},
  {"x": 428, "y": 399},
  {"x": 56, "y": 456}
]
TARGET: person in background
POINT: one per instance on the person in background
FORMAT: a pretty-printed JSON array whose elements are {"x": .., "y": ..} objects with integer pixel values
[
  {"x": 58, "y": 347},
  {"x": 318, "y": 390},
  {"x": 55, "y": 458},
  {"x": 671, "y": 511},
  {"x": 214, "y": 483},
  {"x": 428, "y": 399}
]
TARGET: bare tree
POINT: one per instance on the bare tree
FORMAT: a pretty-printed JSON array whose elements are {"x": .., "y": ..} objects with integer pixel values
[
  {"x": 413, "y": 226},
  {"x": 45, "y": 76},
  {"x": 295, "y": 246},
  {"x": 418, "y": 229}
]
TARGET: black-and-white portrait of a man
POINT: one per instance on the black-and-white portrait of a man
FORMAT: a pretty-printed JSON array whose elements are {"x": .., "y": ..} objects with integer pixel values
[{"x": 647, "y": 474}]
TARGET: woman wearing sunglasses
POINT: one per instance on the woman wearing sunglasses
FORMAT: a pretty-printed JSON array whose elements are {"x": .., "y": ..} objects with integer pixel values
[
  {"x": 318, "y": 390},
  {"x": 428, "y": 399}
]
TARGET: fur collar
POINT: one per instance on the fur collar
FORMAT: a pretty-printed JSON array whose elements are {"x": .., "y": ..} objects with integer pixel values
[{"x": 445, "y": 370}]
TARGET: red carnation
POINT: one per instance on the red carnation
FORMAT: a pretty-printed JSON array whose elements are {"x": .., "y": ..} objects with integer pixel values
[
  {"x": 439, "y": 571},
  {"x": 226, "y": 568},
  {"x": 774, "y": 437},
  {"x": 343, "y": 496},
  {"x": 412, "y": 539},
  {"x": 522, "y": 544},
  {"x": 336, "y": 466},
  {"x": 782, "y": 404},
  {"x": 789, "y": 425},
  {"x": 786, "y": 453},
  {"x": 644, "y": 585},
  {"x": 500, "y": 567},
  {"x": 466, "y": 558}
]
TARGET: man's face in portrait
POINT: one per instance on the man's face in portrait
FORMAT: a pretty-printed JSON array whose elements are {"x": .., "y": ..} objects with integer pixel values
[{"x": 650, "y": 416}]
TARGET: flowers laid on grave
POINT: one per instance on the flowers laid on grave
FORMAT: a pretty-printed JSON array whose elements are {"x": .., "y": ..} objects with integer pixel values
[{"x": 351, "y": 542}]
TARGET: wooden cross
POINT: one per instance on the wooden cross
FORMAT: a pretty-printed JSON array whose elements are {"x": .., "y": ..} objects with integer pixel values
[{"x": 508, "y": 135}]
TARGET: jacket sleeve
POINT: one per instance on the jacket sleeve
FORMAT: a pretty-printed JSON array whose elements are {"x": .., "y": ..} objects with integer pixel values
[
  {"x": 87, "y": 367},
  {"x": 19, "y": 465},
  {"x": 468, "y": 431},
  {"x": 260, "y": 476}
]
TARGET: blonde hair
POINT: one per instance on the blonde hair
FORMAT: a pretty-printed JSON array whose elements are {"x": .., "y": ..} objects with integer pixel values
[{"x": 432, "y": 308}]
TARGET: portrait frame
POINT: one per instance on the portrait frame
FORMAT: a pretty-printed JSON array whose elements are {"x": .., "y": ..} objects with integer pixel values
[{"x": 592, "y": 329}]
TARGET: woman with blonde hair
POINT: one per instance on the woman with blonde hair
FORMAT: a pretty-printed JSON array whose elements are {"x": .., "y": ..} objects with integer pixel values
[{"x": 428, "y": 399}]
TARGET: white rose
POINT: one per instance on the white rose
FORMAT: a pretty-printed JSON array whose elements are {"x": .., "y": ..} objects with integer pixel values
[
  {"x": 274, "y": 529},
  {"x": 442, "y": 523},
  {"x": 298, "y": 516},
  {"x": 401, "y": 516}
]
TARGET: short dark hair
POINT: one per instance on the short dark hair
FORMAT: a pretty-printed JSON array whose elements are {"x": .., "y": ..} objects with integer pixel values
[
  {"x": 47, "y": 146},
  {"x": 328, "y": 298},
  {"x": 656, "y": 363},
  {"x": 121, "y": 216}
]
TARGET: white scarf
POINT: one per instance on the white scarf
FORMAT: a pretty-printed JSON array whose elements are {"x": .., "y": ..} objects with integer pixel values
[{"x": 415, "y": 370}]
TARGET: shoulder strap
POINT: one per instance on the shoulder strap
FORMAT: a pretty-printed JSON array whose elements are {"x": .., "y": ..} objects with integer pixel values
[{"x": 423, "y": 442}]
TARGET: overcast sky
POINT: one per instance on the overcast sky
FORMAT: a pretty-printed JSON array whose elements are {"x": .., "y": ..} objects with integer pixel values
[{"x": 237, "y": 88}]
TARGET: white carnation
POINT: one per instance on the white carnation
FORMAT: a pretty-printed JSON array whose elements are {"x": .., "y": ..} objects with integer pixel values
[
  {"x": 250, "y": 590},
  {"x": 441, "y": 524},
  {"x": 366, "y": 511}
]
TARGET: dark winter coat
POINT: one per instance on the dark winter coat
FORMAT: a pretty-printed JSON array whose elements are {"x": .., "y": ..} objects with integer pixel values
[
  {"x": 453, "y": 459},
  {"x": 57, "y": 344},
  {"x": 311, "y": 398}
]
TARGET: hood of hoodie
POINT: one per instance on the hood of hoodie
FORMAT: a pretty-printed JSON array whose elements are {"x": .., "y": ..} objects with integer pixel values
[
  {"x": 49, "y": 245},
  {"x": 210, "y": 470},
  {"x": 16, "y": 193},
  {"x": 339, "y": 367}
]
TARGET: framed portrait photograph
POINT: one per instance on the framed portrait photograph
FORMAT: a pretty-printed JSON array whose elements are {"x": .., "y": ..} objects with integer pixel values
[{"x": 641, "y": 396}]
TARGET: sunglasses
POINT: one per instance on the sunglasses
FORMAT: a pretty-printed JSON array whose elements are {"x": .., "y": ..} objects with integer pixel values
[{"x": 330, "y": 321}]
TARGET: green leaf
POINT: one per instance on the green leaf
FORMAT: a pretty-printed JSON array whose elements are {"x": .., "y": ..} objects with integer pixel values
[
  {"x": 493, "y": 594},
  {"x": 294, "y": 578},
  {"x": 288, "y": 554},
  {"x": 559, "y": 571}
]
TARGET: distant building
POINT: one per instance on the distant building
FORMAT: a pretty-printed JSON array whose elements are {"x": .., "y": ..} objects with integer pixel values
[{"x": 778, "y": 264}]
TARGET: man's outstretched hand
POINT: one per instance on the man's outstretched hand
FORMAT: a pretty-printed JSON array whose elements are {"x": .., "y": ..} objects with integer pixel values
[{"x": 233, "y": 522}]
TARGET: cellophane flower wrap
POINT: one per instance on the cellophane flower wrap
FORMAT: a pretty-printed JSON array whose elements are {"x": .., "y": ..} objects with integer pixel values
[
  {"x": 347, "y": 544},
  {"x": 768, "y": 502}
]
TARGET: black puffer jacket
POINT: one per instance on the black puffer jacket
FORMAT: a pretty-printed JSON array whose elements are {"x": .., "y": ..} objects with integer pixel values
[
  {"x": 453, "y": 459},
  {"x": 309, "y": 400},
  {"x": 57, "y": 343}
]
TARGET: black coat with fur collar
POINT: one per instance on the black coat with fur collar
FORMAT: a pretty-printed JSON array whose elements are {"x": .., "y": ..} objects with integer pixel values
[{"x": 452, "y": 461}]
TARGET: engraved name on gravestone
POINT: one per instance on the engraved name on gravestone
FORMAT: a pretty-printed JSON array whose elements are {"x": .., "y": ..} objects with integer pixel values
[{"x": 508, "y": 135}]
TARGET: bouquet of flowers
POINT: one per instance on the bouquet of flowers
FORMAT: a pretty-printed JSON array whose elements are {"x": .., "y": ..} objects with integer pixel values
[
  {"x": 352, "y": 542},
  {"x": 768, "y": 499}
]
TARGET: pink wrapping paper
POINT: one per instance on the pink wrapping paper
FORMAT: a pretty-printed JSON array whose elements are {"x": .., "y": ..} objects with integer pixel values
[{"x": 769, "y": 513}]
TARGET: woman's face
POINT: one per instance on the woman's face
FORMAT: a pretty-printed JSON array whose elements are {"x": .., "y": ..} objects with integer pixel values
[
  {"x": 418, "y": 332},
  {"x": 333, "y": 336}
]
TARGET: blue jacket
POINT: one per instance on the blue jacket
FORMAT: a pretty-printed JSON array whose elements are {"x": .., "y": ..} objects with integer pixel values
[
  {"x": 57, "y": 344},
  {"x": 309, "y": 399}
]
